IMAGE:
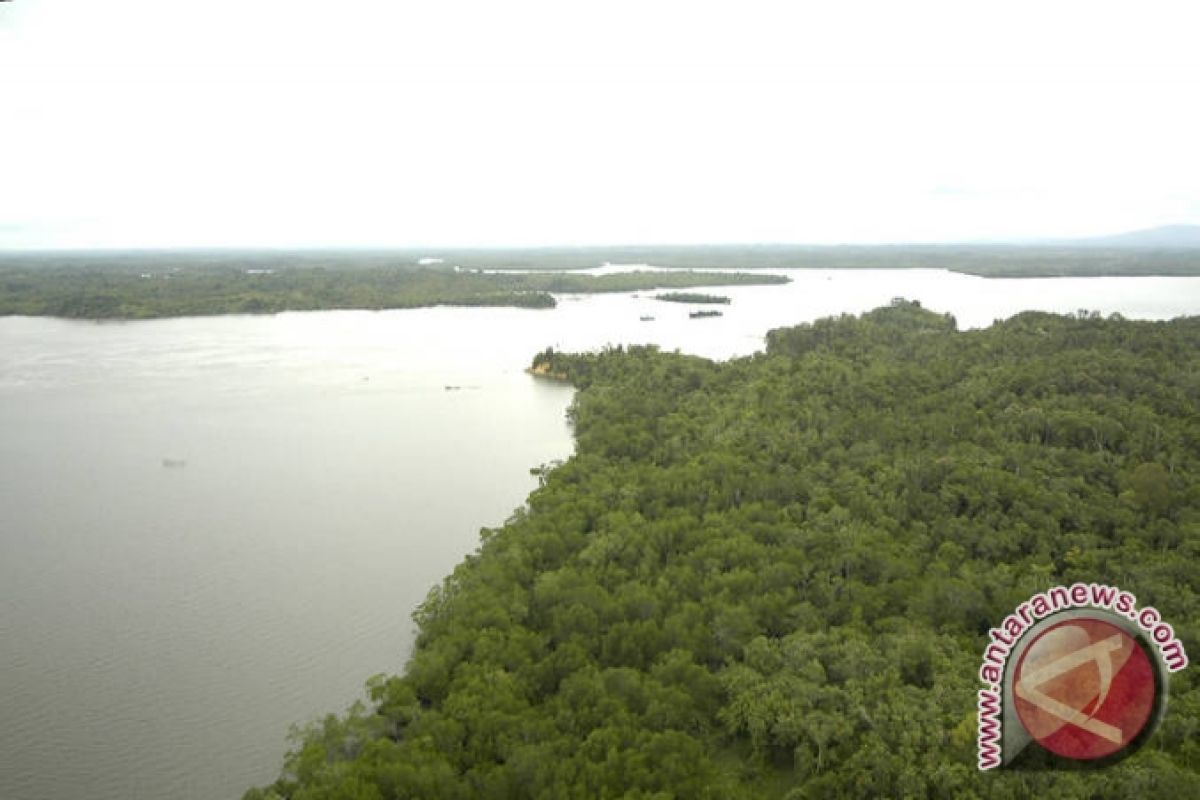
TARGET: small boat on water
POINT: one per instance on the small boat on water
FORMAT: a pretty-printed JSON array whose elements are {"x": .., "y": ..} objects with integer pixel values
[
  {"x": 646, "y": 319},
  {"x": 701, "y": 314},
  {"x": 174, "y": 463}
]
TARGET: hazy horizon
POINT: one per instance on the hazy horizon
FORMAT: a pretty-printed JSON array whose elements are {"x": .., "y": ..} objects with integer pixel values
[
  {"x": 1114, "y": 238},
  {"x": 151, "y": 125}
]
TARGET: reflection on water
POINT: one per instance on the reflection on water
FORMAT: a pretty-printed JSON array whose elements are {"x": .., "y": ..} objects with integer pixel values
[{"x": 215, "y": 527}]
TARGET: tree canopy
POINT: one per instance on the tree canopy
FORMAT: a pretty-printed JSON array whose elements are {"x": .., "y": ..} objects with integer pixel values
[
  {"x": 773, "y": 576},
  {"x": 115, "y": 290}
]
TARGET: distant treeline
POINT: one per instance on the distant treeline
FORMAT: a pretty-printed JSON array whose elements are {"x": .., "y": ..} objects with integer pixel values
[
  {"x": 173, "y": 287},
  {"x": 984, "y": 260},
  {"x": 991, "y": 261}
]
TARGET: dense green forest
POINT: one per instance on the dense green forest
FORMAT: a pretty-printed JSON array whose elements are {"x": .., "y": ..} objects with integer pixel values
[
  {"x": 692, "y": 297},
  {"x": 117, "y": 291},
  {"x": 772, "y": 577}
]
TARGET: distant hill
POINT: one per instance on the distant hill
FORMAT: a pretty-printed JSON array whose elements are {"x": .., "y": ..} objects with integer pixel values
[{"x": 1169, "y": 236}]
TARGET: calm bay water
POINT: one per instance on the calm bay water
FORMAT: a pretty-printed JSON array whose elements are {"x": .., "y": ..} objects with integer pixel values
[{"x": 211, "y": 528}]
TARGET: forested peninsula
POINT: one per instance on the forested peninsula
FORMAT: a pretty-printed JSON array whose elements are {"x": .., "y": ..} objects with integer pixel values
[
  {"x": 773, "y": 576},
  {"x": 179, "y": 286}
]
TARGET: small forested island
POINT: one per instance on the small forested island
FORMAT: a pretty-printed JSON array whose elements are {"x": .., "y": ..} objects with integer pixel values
[
  {"x": 773, "y": 577},
  {"x": 703, "y": 314},
  {"x": 692, "y": 297},
  {"x": 145, "y": 286}
]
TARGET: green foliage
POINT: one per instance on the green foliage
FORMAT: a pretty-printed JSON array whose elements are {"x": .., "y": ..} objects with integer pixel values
[
  {"x": 1150, "y": 488},
  {"x": 692, "y": 297},
  {"x": 772, "y": 577},
  {"x": 79, "y": 290}
]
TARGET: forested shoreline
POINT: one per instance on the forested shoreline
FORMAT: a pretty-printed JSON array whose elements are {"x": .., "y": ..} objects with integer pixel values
[
  {"x": 145, "y": 284},
  {"x": 118, "y": 293},
  {"x": 773, "y": 576}
]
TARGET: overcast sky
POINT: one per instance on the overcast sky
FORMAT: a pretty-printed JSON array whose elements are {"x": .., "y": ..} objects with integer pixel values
[{"x": 294, "y": 123}]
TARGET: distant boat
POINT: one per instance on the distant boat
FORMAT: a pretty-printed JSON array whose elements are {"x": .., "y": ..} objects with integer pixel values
[
  {"x": 174, "y": 463},
  {"x": 700, "y": 314},
  {"x": 646, "y": 319}
]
